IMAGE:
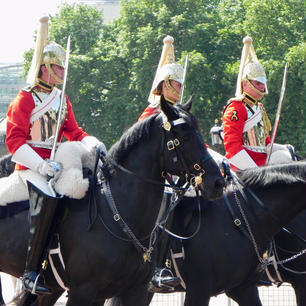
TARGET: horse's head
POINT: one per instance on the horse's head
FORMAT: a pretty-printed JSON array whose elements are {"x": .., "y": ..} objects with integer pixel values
[{"x": 185, "y": 153}]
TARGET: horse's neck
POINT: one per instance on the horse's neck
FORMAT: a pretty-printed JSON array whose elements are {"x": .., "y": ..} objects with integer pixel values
[
  {"x": 136, "y": 196},
  {"x": 283, "y": 204}
]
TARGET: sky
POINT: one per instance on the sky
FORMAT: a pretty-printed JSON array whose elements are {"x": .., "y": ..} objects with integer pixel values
[{"x": 18, "y": 21}]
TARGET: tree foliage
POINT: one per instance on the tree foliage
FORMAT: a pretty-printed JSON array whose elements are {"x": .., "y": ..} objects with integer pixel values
[{"x": 113, "y": 65}]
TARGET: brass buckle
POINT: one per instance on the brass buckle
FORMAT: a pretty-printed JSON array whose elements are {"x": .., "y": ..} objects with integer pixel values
[
  {"x": 44, "y": 264},
  {"x": 197, "y": 167},
  {"x": 167, "y": 126},
  {"x": 116, "y": 217},
  {"x": 170, "y": 145},
  {"x": 176, "y": 142},
  {"x": 168, "y": 263},
  {"x": 145, "y": 257},
  {"x": 237, "y": 222}
]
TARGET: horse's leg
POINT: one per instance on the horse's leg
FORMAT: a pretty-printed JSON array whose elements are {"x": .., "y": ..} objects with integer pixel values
[
  {"x": 50, "y": 299},
  {"x": 245, "y": 296},
  {"x": 136, "y": 296},
  {"x": 76, "y": 302},
  {"x": 80, "y": 297},
  {"x": 195, "y": 297},
  {"x": 300, "y": 293},
  {"x": 1, "y": 296},
  {"x": 27, "y": 299}
]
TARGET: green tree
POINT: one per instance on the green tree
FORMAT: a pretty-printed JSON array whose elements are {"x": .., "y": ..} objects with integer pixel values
[
  {"x": 278, "y": 39},
  {"x": 112, "y": 66}
]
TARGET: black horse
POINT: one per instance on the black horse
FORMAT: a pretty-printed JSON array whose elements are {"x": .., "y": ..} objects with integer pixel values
[
  {"x": 103, "y": 262},
  {"x": 223, "y": 256}
]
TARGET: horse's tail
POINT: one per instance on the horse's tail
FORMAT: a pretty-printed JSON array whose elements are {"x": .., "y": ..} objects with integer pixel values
[{"x": 115, "y": 301}]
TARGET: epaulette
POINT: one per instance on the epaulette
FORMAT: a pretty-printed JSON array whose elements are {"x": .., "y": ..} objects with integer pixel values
[{"x": 227, "y": 104}]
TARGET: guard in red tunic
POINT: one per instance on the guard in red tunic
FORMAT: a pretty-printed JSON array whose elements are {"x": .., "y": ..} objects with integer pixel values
[
  {"x": 31, "y": 124},
  {"x": 166, "y": 88},
  {"x": 246, "y": 125}
]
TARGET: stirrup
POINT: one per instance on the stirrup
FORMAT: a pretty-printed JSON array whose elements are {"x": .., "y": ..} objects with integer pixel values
[
  {"x": 163, "y": 278},
  {"x": 34, "y": 286}
]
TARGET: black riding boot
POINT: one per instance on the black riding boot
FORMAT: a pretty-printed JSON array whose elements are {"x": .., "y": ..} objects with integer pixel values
[
  {"x": 163, "y": 279},
  {"x": 42, "y": 210}
]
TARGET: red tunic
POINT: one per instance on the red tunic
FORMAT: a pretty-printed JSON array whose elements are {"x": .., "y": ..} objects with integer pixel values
[
  {"x": 19, "y": 126},
  {"x": 148, "y": 112},
  {"x": 233, "y": 119}
]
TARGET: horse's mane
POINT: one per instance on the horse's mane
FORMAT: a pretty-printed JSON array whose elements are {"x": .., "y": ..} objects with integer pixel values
[
  {"x": 261, "y": 177},
  {"x": 141, "y": 130},
  {"x": 138, "y": 131}
]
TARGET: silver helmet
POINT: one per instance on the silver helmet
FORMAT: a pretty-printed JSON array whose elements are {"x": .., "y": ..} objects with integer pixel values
[
  {"x": 45, "y": 53},
  {"x": 250, "y": 68},
  {"x": 167, "y": 70}
]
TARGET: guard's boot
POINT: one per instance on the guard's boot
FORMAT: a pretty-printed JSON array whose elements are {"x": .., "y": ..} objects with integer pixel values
[
  {"x": 163, "y": 281},
  {"x": 42, "y": 210}
]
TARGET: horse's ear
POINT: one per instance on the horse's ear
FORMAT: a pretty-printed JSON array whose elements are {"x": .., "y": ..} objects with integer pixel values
[
  {"x": 187, "y": 106},
  {"x": 168, "y": 110}
]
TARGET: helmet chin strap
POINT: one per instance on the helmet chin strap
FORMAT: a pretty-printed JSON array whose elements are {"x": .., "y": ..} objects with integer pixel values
[
  {"x": 249, "y": 98},
  {"x": 44, "y": 85},
  {"x": 54, "y": 76},
  {"x": 173, "y": 91}
]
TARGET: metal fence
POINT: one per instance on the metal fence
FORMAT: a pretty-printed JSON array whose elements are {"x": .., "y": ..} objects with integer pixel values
[{"x": 270, "y": 296}]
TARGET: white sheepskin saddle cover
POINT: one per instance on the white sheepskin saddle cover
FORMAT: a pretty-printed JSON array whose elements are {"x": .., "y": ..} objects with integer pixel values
[{"x": 74, "y": 156}]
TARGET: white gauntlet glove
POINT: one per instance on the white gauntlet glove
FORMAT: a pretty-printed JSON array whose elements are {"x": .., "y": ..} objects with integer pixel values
[
  {"x": 27, "y": 157},
  {"x": 92, "y": 142},
  {"x": 49, "y": 168}
]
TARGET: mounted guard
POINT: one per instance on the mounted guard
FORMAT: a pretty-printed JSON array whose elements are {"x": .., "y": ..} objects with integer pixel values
[
  {"x": 167, "y": 88},
  {"x": 168, "y": 80},
  {"x": 32, "y": 118},
  {"x": 246, "y": 125}
]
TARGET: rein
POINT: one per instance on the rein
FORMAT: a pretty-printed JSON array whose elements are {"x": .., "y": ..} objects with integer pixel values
[
  {"x": 145, "y": 179},
  {"x": 175, "y": 199}
]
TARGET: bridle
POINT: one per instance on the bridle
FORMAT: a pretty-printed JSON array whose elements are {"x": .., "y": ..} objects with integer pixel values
[
  {"x": 172, "y": 143},
  {"x": 176, "y": 148}
]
